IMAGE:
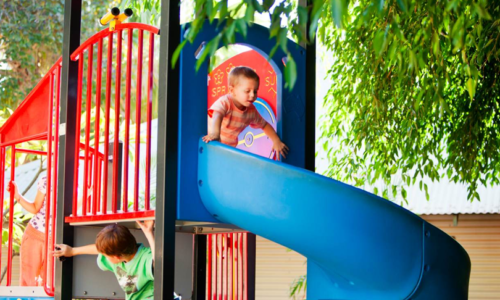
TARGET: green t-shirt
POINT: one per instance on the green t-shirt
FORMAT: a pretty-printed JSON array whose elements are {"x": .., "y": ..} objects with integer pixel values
[{"x": 136, "y": 276}]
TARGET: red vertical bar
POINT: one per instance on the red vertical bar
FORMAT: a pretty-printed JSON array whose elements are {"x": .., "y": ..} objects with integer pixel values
[
  {"x": 223, "y": 269},
  {"x": 89, "y": 181},
  {"x": 77, "y": 134},
  {"x": 96, "y": 192},
  {"x": 245, "y": 266},
  {"x": 88, "y": 110},
  {"x": 230, "y": 279},
  {"x": 235, "y": 263},
  {"x": 2, "y": 184},
  {"x": 241, "y": 270},
  {"x": 48, "y": 198},
  {"x": 106, "y": 125},
  {"x": 209, "y": 266},
  {"x": 56, "y": 153},
  {"x": 117, "y": 121},
  {"x": 99, "y": 179},
  {"x": 219, "y": 265},
  {"x": 11, "y": 215},
  {"x": 226, "y": 266},
  {"x": 214, "y": 263},
  {"x": 138, "y": 120},
  {"x": 127, "y": 120},
  {"x": 149, "y": 115}
]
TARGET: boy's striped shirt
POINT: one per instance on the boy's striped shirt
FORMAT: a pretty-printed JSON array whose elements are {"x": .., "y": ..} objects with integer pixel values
[{"x": 235, "y": 120}]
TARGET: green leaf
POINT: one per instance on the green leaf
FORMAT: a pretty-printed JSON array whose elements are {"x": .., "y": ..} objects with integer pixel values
[
  {"x": 290, "y": 73},
  {"x": 482, "y": 12},
  {"x": 471, "y": 88},
  {"x": 379, "y": 42},
  {"x": 176, "y": 54},
  {"x": 403, "y": 5},
  {"x": 338, "y": 9},
  {"x": 249, "y": 14},
  {"x": 241, "y": 25},
  {"x": 315, "y": 15},
  {"x": 404, "y": 193}
]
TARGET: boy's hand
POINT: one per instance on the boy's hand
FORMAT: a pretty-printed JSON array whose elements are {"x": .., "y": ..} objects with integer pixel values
[
  {"x": 211, "y": 137},
  {"x": 147, "y": 225},
  {"x": 63, "y": 250},
  {"x": 280, "y": 148}
]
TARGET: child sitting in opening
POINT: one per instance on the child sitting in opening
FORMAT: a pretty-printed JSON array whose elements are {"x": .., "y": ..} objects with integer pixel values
[
  {"x": 118, "y": 252},
  {"x": 233, "y": 112}
]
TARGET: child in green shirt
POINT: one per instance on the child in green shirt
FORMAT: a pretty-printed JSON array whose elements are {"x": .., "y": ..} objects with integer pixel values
[{"x": 118, "y": 252}]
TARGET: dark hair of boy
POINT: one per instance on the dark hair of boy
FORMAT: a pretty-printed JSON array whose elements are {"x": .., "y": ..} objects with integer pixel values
[{"x": 116, "y": 240}]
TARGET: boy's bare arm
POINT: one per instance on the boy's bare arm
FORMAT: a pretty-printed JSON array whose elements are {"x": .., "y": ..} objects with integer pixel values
[
  {"x": 278, "y": 145},
  {"x": 68, "y": 251},
  {"x": 147, "y": 228},
  {"x": 214, "y": 127}
]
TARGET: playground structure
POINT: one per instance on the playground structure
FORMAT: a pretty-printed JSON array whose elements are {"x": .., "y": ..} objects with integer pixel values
[{"x": 95, "y": 175}]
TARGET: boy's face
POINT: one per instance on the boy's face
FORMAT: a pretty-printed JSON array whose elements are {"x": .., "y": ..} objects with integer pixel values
[{"x": 245, "y": 91}]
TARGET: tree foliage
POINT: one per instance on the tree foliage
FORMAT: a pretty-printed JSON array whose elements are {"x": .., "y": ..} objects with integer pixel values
[
  {"x": 414, "y": 94},
  {"x": 414, "y": 91},
  {"x": 30, "y": 41},
  {"x": 31, "y": 35}
]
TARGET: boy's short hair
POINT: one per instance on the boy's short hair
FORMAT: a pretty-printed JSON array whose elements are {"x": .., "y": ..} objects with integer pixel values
[
  {"x": 116, "y": 240},
  {"x": 240, "y": 71}
]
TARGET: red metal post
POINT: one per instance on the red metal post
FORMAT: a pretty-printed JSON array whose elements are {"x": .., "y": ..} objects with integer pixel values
[
  {"x": 209, "y": 267},
  {"x": 226, "y": 282},
  {"x": 56, "y": 156},
  {"x": 127, "y": 120},
  {"x": 48, "y": 199},
  {"x": 241, "y": 270},
  {"x": 245, "y": 266},
  {"x": 106, "y": 125},
  {"x": 230, "y": 274},
  {"x": 88, "y": 112},
  {"x": 11, "y": 214},
  {"x": 235, "y": 263},
  {"x": 138, "y": 120},
  {"x": 116, "y": 134},
  {"x": 97, "y": 192},
  {"x": 2, "y": 184},
  {"x": 99, "y": 185},
  {"x": 29, "y": 151},
  {"x": 219, "y": 266},
  {"x": 77, "y": 134},
  {"x": 149, "y": 116}
]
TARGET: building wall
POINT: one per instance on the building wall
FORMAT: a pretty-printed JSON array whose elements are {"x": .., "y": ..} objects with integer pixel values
[
  {"x": 15, "y": 268},
  {"x": 480, "y": 236},
  {"x": 276, "y": 269}
]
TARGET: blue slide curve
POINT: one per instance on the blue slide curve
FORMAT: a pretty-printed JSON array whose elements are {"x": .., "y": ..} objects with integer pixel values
[{"x": 358, "y": 245}]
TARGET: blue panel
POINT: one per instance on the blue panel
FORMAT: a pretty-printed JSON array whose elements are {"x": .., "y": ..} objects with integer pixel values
[
  {"x": 359, "y": 246},
  {"x": 193, "y": 113}
]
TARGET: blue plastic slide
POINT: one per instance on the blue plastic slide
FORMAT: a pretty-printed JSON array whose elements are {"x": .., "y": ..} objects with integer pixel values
[{"x": 358, "y": 245}]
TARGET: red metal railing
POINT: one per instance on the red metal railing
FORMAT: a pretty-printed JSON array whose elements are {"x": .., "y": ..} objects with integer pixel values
[
  {"x": 227, "y": 266},
  {"x": 91, "y": 199},
  {"x": 50, "y": 133}
]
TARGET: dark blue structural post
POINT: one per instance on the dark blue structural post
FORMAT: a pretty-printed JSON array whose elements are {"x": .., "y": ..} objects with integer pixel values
[
  {"x": 167, "y": 155},
  {"x": 69, "y": 83}
]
